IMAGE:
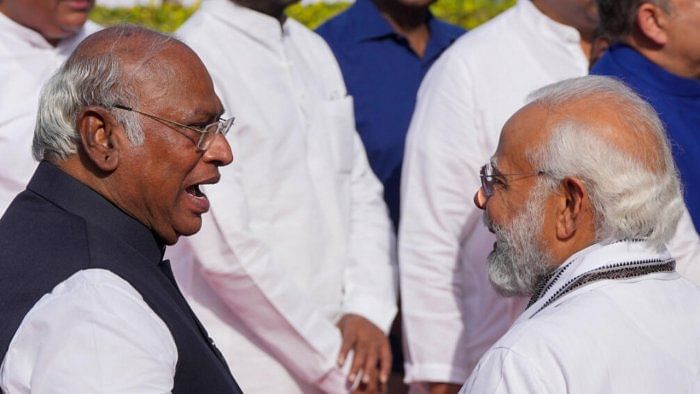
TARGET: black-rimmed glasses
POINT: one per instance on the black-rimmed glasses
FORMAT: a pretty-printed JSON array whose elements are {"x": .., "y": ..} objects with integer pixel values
[{"x": 206, "y": 134}]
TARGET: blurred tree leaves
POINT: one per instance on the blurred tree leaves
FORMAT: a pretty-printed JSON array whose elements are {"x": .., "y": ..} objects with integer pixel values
[
  {"x": 469, "y": 13},
  {"x": 166, "y": 17},
  {"x": 170, "y": 15},
  {"x": 313, "y": 15}
]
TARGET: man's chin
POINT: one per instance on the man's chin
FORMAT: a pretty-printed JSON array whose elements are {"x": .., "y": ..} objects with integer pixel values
[
  {"x": 190, "y": 229},
  {"x": 507, "y": 291},
  {"x": 502, "y": 276},
  {"x": 511, "y": 293},
  {"x": 71, "y": 21},
  {"x": 171, "y": 236}
]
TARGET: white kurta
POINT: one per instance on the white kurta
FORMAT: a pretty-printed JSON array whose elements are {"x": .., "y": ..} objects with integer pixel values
[
  {"x": 298, "y": 233},
  {"x": 634, "y": 335},
  {"x": 451, "y": 314},
  {"x": 27, "y": 61}
]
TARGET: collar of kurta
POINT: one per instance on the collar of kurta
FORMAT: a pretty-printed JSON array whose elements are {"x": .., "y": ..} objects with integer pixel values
[
  {"x": 617, "y": 260},
  {"x": 549, "y": 28},
  {"x": 253, "y": 23},
  {"x": 68, "y": 193}
]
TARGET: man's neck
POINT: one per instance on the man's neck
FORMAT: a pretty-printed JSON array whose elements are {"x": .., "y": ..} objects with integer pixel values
[
  {"x": 660, "y": 56},
  {"x": 409, "y": 22},
  {"x": 52, "y": 41},
  {"x": 587, "y": 33},
  {"x": 272, "y": 8}
]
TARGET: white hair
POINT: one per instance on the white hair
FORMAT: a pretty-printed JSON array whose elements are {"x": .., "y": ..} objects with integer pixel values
[
  {"x": 632, "y": 198},
  {"x": 87, "y": 79}
]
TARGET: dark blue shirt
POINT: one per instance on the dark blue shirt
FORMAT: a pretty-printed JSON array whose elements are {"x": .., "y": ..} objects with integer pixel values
[
  {"x": 676, "y": 99},
  {"x": 383, "y": 74}
]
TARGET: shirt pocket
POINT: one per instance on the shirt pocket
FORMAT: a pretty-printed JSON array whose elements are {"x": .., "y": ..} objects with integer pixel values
[{"x": 341, "y": 132}]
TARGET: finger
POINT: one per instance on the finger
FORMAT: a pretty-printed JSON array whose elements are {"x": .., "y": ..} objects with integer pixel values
[
  {"x": 385, "y": 359},
  {"x": 370, "y": 369},
  {"x": 356, "y": 382},
  {"x": 358, "y": 359},
  {"x": 348, "y": 343}
]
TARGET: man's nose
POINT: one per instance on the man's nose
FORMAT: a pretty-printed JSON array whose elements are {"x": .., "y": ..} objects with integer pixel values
[
  {"x": 219, "y": 151},
  {"x": 480, "y": 198}
]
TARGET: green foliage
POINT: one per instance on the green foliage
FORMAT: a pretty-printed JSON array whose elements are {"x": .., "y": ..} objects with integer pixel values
[
  {"x": 166, "y": 18},
  {"x": 169, "y": 16},
  {"x": 469, "y": 13},
  {"x": 313, "y": 15}
]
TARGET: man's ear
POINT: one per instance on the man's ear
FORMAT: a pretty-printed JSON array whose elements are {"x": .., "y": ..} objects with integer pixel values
[
  {"x": 570, "y": 209},
  {"x": 97, "y": 128},
  {"x": 652, "y": 21}
]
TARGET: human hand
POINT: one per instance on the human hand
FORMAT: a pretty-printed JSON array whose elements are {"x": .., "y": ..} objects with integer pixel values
[
  {"x": 371, "y": 362},
  {"x": 443, "y": 388}
]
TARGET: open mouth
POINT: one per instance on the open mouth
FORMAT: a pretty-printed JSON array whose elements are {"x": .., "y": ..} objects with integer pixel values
[
  {"x": 194, "y": 190},
  {"x": 198, "y": 201}
]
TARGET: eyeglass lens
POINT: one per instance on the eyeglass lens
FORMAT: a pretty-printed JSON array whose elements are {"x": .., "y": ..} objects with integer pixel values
[
  {"x": 211, "y": 130},
  {"x": 486, "y": 174}
]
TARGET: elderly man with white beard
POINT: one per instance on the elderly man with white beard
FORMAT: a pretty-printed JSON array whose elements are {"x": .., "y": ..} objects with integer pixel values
[{"x": 582, "y": 195}]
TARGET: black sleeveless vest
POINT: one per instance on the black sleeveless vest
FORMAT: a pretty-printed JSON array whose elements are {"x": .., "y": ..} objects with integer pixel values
[{"x": 59, "y": 226}]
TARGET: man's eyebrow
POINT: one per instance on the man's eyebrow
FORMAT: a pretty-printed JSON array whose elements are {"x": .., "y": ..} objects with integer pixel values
[{"x": 203, "y": 115}]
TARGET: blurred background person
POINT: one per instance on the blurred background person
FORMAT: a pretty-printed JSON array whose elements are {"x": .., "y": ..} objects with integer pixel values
[
  {"x": 656, "y": 51},
  {"x": 385, "y": 48},
  {"x": 36, "y": 36},
  {"x": 295, "y": 273}
]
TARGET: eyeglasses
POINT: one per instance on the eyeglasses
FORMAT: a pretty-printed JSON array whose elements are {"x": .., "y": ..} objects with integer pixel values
[
  {"x": 206, "y": 134},
  {"x": 489, "y": 178}
]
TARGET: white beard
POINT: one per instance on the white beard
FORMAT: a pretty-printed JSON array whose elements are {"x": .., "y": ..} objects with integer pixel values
[{"x": 517, "y": 264}]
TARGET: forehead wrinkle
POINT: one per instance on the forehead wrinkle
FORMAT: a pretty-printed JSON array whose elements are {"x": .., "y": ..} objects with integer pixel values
[
  {"x": 145, "y": 73},
  {"x": 146, "y": 60}
]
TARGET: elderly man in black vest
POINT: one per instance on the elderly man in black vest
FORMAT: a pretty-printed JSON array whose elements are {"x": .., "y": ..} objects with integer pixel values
[{"x": 127, "y": 131}]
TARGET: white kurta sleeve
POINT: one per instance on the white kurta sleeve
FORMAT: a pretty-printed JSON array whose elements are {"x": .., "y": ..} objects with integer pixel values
[
  {"x": 370, "y": 277},
  {"x": 451, "y": 315},
  {"x": 505, "y": 371},
  {"x": 92, "y": 333},
  {"x": 241, "y": 270}
]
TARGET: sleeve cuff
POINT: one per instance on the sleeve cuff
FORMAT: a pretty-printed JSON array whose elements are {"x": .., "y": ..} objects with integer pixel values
[
  {"x": 381, "y": 314},
  {"x": 444, "y": 373}
]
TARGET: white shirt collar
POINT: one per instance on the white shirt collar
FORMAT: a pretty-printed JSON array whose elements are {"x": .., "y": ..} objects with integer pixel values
[
  {"x": 594, "y": 257},
  {"x": 551, "y": 28},
  {"x": 251, "y": 22}
]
